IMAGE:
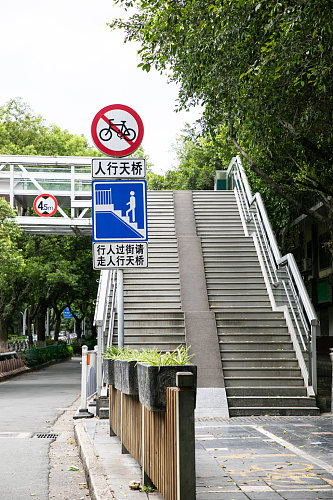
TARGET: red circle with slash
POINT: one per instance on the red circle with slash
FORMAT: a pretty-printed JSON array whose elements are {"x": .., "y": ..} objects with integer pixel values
[{"x": 117, "y": 130}]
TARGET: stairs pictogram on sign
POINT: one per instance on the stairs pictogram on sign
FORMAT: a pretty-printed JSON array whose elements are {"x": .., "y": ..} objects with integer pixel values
[{"x": 119, "y": 211}]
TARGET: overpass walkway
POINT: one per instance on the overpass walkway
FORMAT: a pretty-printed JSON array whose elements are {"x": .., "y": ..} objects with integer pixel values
[{"x": 216, "y": 281}]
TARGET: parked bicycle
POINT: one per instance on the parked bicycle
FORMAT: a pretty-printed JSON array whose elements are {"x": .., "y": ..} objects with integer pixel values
[{"x": 120, "y": 129}]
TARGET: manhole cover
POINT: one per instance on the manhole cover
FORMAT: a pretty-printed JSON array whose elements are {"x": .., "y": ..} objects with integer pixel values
[{"x": 46, "y": 435}]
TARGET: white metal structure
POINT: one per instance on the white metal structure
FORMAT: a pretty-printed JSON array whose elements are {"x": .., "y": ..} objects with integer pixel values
[{"x": 68, "y": 178}]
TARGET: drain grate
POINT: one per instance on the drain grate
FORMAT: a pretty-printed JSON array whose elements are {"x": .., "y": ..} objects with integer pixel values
[{"x": 46, "y": 435}]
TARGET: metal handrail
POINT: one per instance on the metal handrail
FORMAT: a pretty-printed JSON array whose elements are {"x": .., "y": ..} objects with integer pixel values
[{"x": 302, "y": 310}]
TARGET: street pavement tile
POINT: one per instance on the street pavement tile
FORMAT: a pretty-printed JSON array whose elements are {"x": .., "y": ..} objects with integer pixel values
[
  {"x": 215, "y": 482},
  {"x": 272, "y": 495},
  {"x": 306, "y": 494},
  {"x": 222, "y": 496}
]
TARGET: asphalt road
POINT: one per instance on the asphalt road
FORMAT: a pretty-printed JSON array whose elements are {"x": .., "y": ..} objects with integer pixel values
[{"x": 30, "y": 404}]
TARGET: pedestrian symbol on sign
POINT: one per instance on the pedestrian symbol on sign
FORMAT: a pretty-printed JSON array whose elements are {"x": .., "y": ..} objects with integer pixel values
[{"x": 132, "y": 206}]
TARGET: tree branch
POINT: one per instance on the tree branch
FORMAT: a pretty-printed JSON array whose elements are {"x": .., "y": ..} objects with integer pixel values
[{"x": 276, "y": 187}]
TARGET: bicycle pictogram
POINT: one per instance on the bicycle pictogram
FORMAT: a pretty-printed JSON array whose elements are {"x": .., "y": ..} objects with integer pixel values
[{"x": 120, "y": 129}]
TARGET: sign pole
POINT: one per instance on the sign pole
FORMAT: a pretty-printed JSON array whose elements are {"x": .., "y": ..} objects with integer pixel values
[{"x": 120, "y": 307}]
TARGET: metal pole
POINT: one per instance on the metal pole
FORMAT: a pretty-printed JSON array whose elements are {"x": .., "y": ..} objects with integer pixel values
[
  {"x": 83, "y": 411},
  {"x": 314, "y": 354},
  {"x": 84, "y": 378},
  {"x": 11, "y": 187},
  {"x": 99, "y": 360},
  {"x": 47, "y": 325},
  {"x": 120, "y": 307}
]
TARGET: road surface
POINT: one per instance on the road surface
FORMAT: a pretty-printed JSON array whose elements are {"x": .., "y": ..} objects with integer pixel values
[{"x": 30, "y": 404}]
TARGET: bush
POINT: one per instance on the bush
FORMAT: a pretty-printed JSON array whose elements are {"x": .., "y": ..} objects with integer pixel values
[
  {"x": 40, "y": 355},
  {"x": 78, "y": 343}
]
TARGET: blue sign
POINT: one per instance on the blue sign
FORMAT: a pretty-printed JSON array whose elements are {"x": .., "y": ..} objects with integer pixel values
[
  {"x": 119, "y": 211},
  {"x": 67, "y": 313}
]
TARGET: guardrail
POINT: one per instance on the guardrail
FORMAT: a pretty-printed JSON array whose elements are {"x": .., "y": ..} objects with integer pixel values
[
  {"x": 109, "y": 299},
  {"x": 10, "y": 363},
  {"x": 162, "y": 442},
  {"x": 288, "y": 287},
  {"x": 20, "y": 345}
]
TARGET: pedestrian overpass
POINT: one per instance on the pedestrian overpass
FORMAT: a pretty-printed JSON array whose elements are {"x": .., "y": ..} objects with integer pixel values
[
  {"x": 22, "y": 178},
  {"x": 216, "y": 281}
]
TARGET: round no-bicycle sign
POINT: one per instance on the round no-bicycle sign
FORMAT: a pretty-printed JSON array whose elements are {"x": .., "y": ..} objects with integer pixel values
[
  {"x": 45, "y": 205},
  {"x": 117, "y": 130}
]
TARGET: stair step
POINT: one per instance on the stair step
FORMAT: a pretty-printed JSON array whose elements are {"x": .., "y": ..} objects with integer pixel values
[
  {"x": 249, "y": 315},
  {"x": 261, "y": 363},
  {"x": 162, "y": 295},
  {"x": 145, "y": 337},
  {"x": 252, "y": 337},
  {"x": 281, "y": 411},
  {"x": 250, "y": 327},
  {"x": 253, "y": 381},
  {"x": 152, "y": 298},
  {"x": 270, "y": 401},
  {"x": 162, "y": 287},
  {"x": 250, "y": 371},
  {"x": 267, "y": 391},
  {"x": 160, "y": 306},
  {"x": 255, "y": 345},
  {"x": 153, "y": 316},
  {"x": 229, "y": 354}
]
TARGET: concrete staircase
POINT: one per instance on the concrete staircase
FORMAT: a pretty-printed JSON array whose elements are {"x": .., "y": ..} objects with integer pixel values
[
  {"x": 261, "y": 372},
  {"x": 152, "y": 306}
]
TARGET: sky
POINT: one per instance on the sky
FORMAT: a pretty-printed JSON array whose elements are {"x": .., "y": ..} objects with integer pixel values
[{"x": 62, "y": 59}]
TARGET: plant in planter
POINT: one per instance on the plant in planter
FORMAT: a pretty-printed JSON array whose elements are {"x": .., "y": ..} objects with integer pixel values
[
  {"x": 124, "y": 363},
  {"x": 157, "y": 371},
  {"x": 110, "y": 356}
]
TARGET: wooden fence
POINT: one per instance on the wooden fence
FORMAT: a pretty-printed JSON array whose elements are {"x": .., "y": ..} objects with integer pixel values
[{"x": 162, "y": 442}]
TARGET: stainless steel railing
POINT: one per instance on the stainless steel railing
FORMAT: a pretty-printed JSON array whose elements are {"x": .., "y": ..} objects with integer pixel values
[
  {"x": 105, "y": 309},
  {"x": 287, "y": 285}
]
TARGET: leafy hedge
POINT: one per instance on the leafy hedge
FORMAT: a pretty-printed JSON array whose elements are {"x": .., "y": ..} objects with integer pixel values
[{"x": 39, "y": 355}]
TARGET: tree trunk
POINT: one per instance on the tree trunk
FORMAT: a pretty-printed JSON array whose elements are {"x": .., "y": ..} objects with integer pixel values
[
  {"x": 57, "y": 324},
  {"x": 78, "y": 327},
  {"x": 40, "y": 323},
  {"x": 3, "y": 336}
]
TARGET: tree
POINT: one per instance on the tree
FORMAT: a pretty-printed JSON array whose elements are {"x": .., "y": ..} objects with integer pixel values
[
  {"x": 198, "y": 157},
  {"x": 23, "y": 133},
  {"x": 13, "y": 285},
  {"x": 261, "y": 69},
  {"x": 45, "y": 268}
]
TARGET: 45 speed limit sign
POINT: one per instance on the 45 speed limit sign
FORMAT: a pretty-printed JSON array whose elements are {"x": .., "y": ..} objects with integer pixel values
[{"x": 45, "y": 205}]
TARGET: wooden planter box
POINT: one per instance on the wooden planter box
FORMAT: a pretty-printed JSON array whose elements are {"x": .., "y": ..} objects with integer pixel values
[
  {"x": 153, "y": 381},
  {"x": 108, "y": 366}
]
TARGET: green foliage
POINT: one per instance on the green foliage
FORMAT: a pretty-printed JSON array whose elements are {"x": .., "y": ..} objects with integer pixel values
[
  {"x": 179, "y": 356},
  {"x": 12, "y": 268},
  {"x": 198, "y": 157},
  {"x": 40, "y": 271},
  {"x": 262, "y": 71},
  {"x": 40, "y": 355},
  {"x": 23, "y": 133}
]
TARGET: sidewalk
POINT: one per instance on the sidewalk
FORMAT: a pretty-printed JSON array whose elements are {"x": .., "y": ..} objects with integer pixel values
[{"x": 256, "y": 458}]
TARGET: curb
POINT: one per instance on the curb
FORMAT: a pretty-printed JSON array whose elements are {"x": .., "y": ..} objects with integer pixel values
[{"x": 96, "y": 478}]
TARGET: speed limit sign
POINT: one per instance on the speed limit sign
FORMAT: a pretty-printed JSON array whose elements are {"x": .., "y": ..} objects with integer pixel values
[{"x": 45, "y": 205}]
